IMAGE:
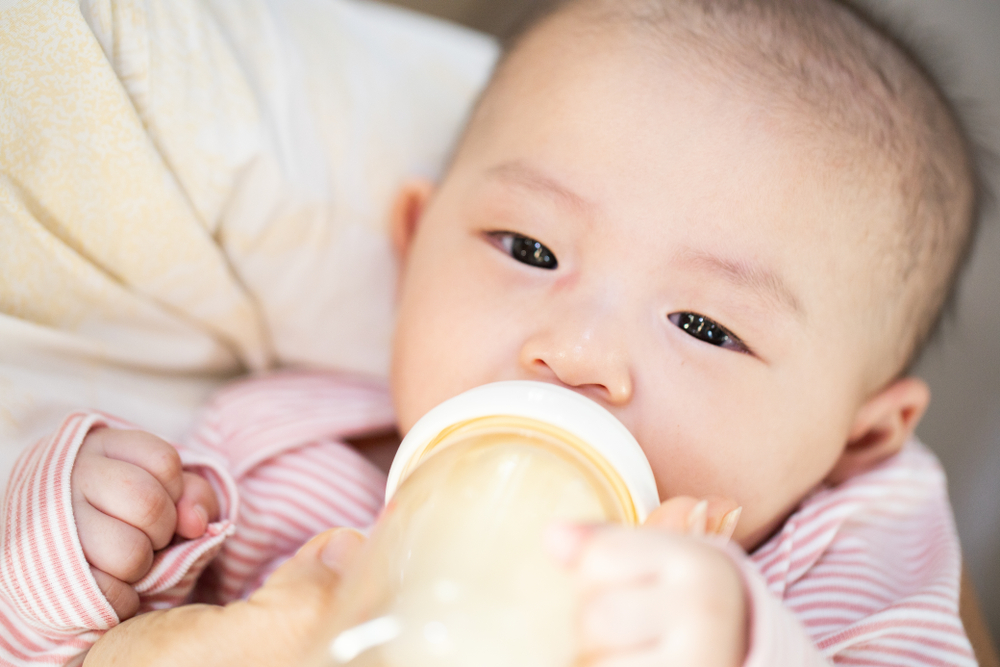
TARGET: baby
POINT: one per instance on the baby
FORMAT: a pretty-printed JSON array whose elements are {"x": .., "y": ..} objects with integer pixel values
[{"x": 732, "y": 224}]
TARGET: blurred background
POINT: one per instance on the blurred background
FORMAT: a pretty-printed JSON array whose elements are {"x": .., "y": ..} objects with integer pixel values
[{"x": 960, "y": 39}]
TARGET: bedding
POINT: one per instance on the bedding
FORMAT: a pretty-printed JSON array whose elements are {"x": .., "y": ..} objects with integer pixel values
[{"x": 190, "y": 190}]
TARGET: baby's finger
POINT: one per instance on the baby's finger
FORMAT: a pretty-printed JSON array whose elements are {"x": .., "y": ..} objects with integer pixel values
[
  {"x": 565, "y": 541},
  {"x": 154, "y": 455},
  {"x": 604, "y": 555},
  {"x": 197, "y": 507},
  {"x": 113, "y": 546},
  {"x": 644, "y": 657},
  {"x": 684, "y": 514},
  {"x": 619, "y": 556},
  {"x": 126, "y": 492},
  {"x": 673, "y": 514},
  {"x": 122, "y": 597},
  {"x": 619, "y": 619},
  {"x": 615, "y": 556}
]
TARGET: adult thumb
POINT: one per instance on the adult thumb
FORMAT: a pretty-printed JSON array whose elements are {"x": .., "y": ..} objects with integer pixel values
[
  {"x": 336, "y": 548},
  {"x": 296, "y": 603},
  {"x": 321, "y": 561}
]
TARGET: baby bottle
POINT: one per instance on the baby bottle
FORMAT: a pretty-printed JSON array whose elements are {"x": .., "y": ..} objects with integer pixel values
[{"x": 455, "y": 573}]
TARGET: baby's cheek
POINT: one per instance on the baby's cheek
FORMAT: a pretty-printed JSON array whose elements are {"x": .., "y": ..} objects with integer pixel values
[{"x": 427, "y": 370}]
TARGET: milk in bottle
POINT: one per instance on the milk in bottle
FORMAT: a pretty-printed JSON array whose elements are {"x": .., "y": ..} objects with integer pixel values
[{"x": 455, "y": 573}]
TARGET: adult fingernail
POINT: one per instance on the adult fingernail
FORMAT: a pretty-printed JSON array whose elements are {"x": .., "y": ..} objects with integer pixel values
[
  {"x": 563, "y": 541},
  {"x": 339, "y": 548},
  {"x": 697, "y": 521},
  {"x": 729, "y": 521}
]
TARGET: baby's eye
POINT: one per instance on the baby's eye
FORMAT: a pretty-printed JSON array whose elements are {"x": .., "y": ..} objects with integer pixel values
[
  {"x": 525, "y": 250},
  {"x": 708, "y": 331}
]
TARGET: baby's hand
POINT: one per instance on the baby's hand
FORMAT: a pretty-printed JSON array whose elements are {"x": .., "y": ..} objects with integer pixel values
[
  {"x": 130, "y": 496},
  {"x": 658, "y": 595},
  {"x": 690, "y": 516}
]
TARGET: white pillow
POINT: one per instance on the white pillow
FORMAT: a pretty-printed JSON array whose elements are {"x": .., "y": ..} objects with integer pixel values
[{"x": 356, "y": 96}]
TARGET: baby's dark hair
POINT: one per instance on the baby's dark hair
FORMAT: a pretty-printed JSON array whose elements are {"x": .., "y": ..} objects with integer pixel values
[{"x": 862, "y": 84}]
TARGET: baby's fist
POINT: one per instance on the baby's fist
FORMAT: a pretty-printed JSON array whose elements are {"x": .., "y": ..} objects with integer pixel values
[
  {"x": 130, "y": 497},
  {"x": 654, "y": 597}
]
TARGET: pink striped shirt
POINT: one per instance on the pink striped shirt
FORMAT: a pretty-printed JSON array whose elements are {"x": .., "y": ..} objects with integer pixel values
[{"x": 862, "y": 574}]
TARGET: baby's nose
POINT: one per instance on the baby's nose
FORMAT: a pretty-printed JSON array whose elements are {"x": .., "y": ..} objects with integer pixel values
[{"x": 590, "y": 357}]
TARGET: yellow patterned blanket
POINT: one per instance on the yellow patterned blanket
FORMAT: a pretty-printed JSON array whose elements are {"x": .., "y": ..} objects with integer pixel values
[{"x": 192, "y": 189}]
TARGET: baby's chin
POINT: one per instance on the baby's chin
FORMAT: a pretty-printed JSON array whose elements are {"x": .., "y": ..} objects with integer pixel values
[{"x": 754, "y": 531}]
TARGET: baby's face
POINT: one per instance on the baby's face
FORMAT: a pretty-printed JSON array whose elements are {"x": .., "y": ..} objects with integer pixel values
[{"x": 661, "y": 245}]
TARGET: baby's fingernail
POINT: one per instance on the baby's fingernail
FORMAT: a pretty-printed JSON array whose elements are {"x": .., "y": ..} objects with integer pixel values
[
  {"x": 729, "y": 521},
  {"x": 202, "y": 514},
  {"x": 563, "y": 541},
  {"x": 697, "y": 521}
]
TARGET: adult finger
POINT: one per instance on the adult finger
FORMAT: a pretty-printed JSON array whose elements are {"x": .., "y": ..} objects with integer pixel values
[
  {"x": 302, "y": 595},
  {"x": 313, "y": 573},
  {"x": 336, "y": 548},
  {"x": 154, "y": 455},
  {"x": 129, "y": 493},
  {"x": 113, "y": 546},
  {"x": 278, "y": 626},
  {"x": 122, "y": 597},
  {"x": 197, "y": 507}
]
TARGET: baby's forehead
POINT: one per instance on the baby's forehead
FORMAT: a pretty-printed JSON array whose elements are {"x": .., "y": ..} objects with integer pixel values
[
  {"x": 804, "y": 100},
  {"x": 816, "y": 57},
  {"x": 839, "y": 140},
  {"x": 841, "y": 83}
]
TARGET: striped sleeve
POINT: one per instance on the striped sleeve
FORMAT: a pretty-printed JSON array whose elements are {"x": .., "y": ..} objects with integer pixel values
[
  {"x": 777, "y": 638},
  {"x": 282, "y": 436},
  {"x": 870, "y": 571},
  {"x": 51, "y": 609}
]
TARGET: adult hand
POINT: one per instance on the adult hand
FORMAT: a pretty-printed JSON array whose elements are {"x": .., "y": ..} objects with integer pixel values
[{"x": 280, "y": 624}]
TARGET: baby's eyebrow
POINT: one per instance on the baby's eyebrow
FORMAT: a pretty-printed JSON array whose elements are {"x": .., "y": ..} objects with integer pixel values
[
  {"x": 741, "y": 272},
  {"x": 524, "y": 175}
]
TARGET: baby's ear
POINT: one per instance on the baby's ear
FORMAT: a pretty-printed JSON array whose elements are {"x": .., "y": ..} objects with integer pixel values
[
  {"x": 882, "y": 426},
  {"x": 408, "y": 207}
]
